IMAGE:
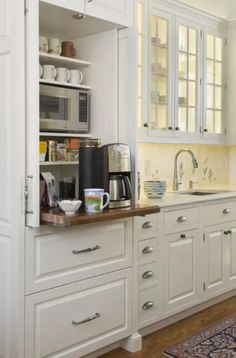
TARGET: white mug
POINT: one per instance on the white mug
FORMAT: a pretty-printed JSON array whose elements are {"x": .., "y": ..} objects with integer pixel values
[
  {"x": 54, "y": 46},
  {"x": 40, "y": 71},
  {"x": 49, "y": 72},
  {"x": 63, "y": 75},
  {"x": 43, "y": 44},
  {"x": 76, "y": 77}
]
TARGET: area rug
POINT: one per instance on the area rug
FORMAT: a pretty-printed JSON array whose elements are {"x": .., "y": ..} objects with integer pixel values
[{"x": 217, "y": 341}]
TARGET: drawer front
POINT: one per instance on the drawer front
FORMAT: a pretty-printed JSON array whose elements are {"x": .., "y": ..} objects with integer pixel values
[
  {"x": 74, "y": 320},
  {"x": 180, "y": 219},
  {"x": 146, "y": 226},
  {"x": 147, "y": 275},
  {"x": 59, "y": 256},
  {"x": 148, "y": 306},
  {"x": 219, "y": 212},
  {"x": 147, "y": 251}
]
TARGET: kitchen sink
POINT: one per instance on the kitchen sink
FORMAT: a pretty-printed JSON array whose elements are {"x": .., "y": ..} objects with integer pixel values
[{"x": 202, "y": 192}]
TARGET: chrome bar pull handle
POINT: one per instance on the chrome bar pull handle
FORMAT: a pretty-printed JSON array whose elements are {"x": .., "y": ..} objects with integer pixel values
[
  {"x": 147, "y": 225},
  {"x": 84, "y": 251},
  {"x": 77, "y": 323},
  {"x": 181, "y": 219},
  {"x": 147, "y": 305},
  {"x": 226, "y": 211},
  {"x": 147, "y": 274},
  {"x": 148, "y": 250}
]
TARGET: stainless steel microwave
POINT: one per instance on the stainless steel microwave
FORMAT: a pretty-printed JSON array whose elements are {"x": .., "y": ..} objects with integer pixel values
[{"x": 64, "y": 109}]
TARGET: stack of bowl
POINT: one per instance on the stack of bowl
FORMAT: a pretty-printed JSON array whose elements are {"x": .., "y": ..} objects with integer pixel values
[{"x": 154, "y": 188}]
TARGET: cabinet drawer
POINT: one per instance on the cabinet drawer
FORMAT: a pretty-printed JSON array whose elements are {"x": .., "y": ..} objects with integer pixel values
[
  {"x": 146, "y": 226},
  {"x": 147, "y": 275},
  {"x": 75, "y": 319},
  {"x": 147, "y": 251},
  {"x": 59, "y": 256},
  {"x": 148, "y": 306},
  {"x": 219, "y": 212},
  {"x": 180, "y": 219}
]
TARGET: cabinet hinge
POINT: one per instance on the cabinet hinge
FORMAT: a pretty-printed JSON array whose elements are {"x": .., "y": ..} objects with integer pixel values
[
  {"x": 201, "y": 33},
  {"x": 225, "y": 131},
  {"x": 204, "y": 287},
  {"x": 204, "y": 237},
  {"x": 26, "y": 7}
]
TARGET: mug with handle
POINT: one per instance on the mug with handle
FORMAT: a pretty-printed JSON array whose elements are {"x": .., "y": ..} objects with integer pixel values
[
  {"x": 76, "y": 77},
  {"x": 49, "y": 72},
  {"x": 63, "y": 74},
  {"x": 94, "y": 200}
]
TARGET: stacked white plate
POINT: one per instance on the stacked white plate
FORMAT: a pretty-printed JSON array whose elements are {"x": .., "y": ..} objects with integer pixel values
[{"x": 154, "y": 188}]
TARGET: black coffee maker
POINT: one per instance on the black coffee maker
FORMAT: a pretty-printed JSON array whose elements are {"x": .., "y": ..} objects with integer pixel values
[{"x": 106, "y": 167}]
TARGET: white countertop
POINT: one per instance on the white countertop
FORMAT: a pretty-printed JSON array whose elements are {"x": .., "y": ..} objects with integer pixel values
[{"x": 175, "y": 198}]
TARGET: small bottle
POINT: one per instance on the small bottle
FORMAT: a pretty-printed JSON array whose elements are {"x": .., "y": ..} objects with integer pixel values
[{"x": 52, "y": 151}]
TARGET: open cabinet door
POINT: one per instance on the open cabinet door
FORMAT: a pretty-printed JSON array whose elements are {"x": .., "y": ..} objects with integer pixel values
[
  {"x": 12, "y": 172},
  {"x": 32, "y": 114}
]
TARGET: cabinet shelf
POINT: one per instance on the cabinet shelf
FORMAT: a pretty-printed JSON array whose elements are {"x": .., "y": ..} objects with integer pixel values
[
  {"x": 59, "y": 162},
  {"x": 64, "y": 84},
  {"x": 70, "y": 63},
  {"x": 65, "y": 135}
]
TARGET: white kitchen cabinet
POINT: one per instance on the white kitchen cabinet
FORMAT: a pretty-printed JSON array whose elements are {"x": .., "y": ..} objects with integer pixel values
[
  {"x": 76, "y": 5},
  {"x": 231, "y": 255},
  {"x": 117, "y": 11},
  {"x": 182, "y": 273}
]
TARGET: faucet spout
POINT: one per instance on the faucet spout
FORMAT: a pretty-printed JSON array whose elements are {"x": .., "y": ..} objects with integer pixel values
[{"x": 194, "y": 161}]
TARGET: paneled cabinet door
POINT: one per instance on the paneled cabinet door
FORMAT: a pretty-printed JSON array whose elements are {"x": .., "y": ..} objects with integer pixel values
[
  {"x": 77, "y": 5},
  {"x": 118, "y": 11},
  {"x": 182, "y": 277},
  {"x": 215, "y": 249}
]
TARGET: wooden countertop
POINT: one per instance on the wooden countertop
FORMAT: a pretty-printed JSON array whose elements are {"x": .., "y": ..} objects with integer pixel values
[{"x": 58, "y": 218}]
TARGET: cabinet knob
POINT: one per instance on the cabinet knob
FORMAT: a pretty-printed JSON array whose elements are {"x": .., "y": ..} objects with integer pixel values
[
  {"x": 226, "y": 232},
  {"x": 226, "y": 211},
  {"x": 147, "y": 305},
  {"x": 148, "y": 250},
  {"x": 145, "y": 125},
  {"x": 181, "y": 219},
  {"x": 170, "y": 128},
  {"x": 229, "y": 232},
  {"x": 205, "y": 130},
  {"x": 147, "y": 274},
  {"x": 177, "y": 128},
  {"x": 183, "y": 236},
  {"x": 147, "y": 225}
]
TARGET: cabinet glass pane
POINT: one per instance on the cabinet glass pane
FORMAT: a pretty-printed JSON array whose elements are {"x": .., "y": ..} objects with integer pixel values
[
  {"x": 218, "y": 73},
  {"x": 210, "y": 96},
  {"x": 192, "y": 67},
  {"x": 183, "y": 65},
  {"x": 140, "y": 17},
  {"x": 162, "y": 117},
  {"x": 218, "y": 49},
  {"x": 218, "y": 122},
  {"x": 210, "y": 46},
  {"x": 182, "y": 92},
  {"x": 192, "y": 41},
  {"x": 154, "y": 30},
  {"x": 210, "y": 121},
  {"x": 162, "y": 25},
  {"x": 218, "y": 97},
  {"x": 162, "y": 89},
  {"x": 210, "y": 71},
  {"x": 191, "y": 120},
  {"x": 183, "y": 119},
  {"x": 192, "y": 94},
  {"x": 183, "y": 38}
]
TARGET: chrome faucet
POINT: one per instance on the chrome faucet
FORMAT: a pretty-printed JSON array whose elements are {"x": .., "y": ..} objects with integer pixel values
[{"x": 195, "y": 165}]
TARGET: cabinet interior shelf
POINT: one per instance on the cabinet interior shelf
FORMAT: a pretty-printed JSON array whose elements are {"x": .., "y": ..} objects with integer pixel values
[
  {"x": 70, "y": 63},
  {"x": 65, "y": 135},
  {"x": 64, "y": 84},
  {"x": 64, "y": 162}
]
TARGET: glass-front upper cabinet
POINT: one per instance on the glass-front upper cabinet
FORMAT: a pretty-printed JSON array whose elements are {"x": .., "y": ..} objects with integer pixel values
[
  {"x": 188, "y": 80},
  {"x": 160, "y": 110},
  {"x": 214, "y": 86}
]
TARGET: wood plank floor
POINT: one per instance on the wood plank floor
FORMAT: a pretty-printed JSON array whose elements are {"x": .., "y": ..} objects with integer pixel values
[{"x": 155, "y": 344}]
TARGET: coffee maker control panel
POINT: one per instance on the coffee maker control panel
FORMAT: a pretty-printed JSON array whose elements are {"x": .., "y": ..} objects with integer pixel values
[{"x": 119, "y": 158}]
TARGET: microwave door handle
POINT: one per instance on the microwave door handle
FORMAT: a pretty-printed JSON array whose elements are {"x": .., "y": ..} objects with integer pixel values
[{"x": 127, "y": 187}]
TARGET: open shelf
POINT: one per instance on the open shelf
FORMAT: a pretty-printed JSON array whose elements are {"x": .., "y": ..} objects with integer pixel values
[
  {"x": 59, "y": 162},
  {"x": 70, "y": 63},
  {"x": 64, "y": 135},
  {"x": 64, "y": 84}
]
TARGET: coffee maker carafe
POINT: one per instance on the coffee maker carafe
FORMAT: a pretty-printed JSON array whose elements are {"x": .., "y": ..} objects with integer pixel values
[{"x": 116, "y": 173}]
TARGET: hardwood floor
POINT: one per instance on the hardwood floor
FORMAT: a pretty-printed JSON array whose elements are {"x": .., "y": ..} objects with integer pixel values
[{"x": 155, "y": 344}]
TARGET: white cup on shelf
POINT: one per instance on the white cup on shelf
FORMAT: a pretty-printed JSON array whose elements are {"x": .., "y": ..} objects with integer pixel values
[
  {"x": 54, "y": 46},
  {"x": 49, "y": 72},
  {"x": 76, "y": 77},
  {"x": 43, "y": 44},
  {"x": 63, "y": 74}
]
